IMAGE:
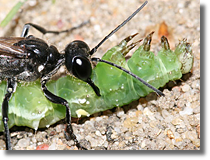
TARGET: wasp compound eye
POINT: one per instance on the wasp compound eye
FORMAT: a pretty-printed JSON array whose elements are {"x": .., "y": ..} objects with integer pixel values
[{"x": 81, "y": 67}]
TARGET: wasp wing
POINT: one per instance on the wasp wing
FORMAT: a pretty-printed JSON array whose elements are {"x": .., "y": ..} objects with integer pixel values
[
  {"x": 12, "y": 57},
  {"x": 9, "y": 49}
]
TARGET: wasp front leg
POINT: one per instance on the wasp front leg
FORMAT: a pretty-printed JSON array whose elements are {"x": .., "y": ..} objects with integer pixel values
[
  {"x": 58, "y": 100},
  {"x": 11, "y": 87}
]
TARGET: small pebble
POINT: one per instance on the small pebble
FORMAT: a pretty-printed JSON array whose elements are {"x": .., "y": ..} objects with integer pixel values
[
  {"x": 42, "y": 147},
  {"x": 176, "y": 121},
  {"x": 24, "y": 142},
  {"x": 186, "y": 111},
  {"x": 59, "y": 128},
  {"x": 149, "y": 113},
  {"x": 186, "y": 88},
  {"x": 2, "y": 145},
  {"x": 120, "y": 112}
]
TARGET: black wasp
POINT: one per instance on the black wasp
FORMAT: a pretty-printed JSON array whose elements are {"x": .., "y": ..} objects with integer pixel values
[{"x": 28, "y": 58}]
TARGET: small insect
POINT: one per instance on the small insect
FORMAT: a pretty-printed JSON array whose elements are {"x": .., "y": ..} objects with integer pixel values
[{"x": 28, "y": 58}]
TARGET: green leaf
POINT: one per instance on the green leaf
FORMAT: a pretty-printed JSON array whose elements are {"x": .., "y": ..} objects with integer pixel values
[{"x": 12, "y": 13}]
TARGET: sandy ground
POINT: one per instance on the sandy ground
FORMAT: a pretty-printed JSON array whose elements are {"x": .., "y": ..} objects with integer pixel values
[{"x": 168, "y": 128}]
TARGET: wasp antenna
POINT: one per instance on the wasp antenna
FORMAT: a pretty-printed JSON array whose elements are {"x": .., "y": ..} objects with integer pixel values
[
  {"x": 159, "y": 93},
  {"x": 117, "y": 28}
]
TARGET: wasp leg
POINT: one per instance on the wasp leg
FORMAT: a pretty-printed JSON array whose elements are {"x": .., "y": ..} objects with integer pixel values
[
  {"x": 95, "y": 88},
  {"x": 45, "y": 31},
  {"x": 11, "y": 87},
  {"x": 58, "y": 100}
]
